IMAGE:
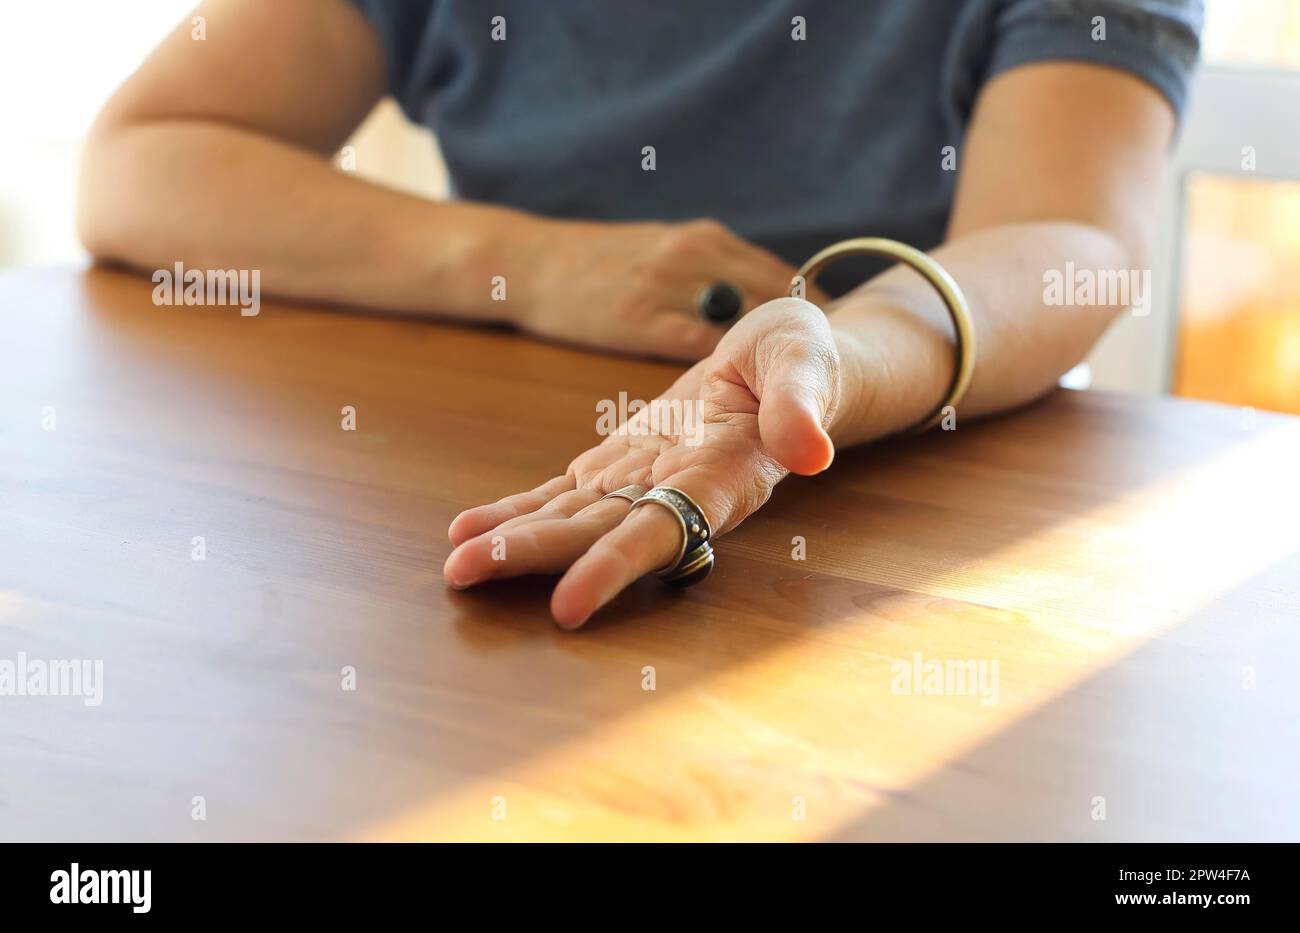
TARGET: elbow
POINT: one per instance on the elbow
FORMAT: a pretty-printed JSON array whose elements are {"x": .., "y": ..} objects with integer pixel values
[
  {"x": 94, "y": 234},
  {"x": 94, "y": 224},
  {"x": 111, "y": 195},
  {"x": 1122, "y": 275}
]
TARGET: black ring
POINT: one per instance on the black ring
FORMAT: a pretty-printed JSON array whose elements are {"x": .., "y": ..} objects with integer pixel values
[{"x": 720, "y": 303}]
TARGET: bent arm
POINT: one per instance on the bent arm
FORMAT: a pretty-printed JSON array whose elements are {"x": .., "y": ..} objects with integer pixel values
[
  {"x": 216, "y": 153},
  {"x": 1061, "y": 165}
]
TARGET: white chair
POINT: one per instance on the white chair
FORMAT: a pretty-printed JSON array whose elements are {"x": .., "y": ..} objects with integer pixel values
[{"x": 1231, "y": 108}]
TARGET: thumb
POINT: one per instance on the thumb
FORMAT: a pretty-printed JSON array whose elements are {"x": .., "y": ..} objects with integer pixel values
[{"x": 798, "y": 387}]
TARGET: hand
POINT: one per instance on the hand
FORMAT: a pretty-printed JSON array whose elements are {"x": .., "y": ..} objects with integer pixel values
[
  {"x": 766, "y": 398},
  {"x": 632, "y": 287}
]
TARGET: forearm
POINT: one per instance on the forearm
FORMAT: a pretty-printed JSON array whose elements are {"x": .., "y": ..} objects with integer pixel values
[
  {"x": 211, "y": 195},
  {"x": 896, "y": 338}
]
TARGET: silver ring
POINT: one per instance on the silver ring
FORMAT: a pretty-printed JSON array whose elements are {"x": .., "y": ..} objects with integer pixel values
[
  {"x": 691, "y": 518},
  {"x": 630, "y": 493}
]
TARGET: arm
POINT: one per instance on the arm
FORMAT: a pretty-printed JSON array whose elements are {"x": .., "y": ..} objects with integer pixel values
[
  {"x": 1061, "y": 163},
  {"x": 216, "y": 153}
]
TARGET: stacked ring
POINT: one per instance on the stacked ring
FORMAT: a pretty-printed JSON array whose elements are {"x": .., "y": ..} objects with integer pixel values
[
  {"x": 694, "y": 560},
  {"x": 630, "y": 493},
  {"x": 694, "y": 567}
]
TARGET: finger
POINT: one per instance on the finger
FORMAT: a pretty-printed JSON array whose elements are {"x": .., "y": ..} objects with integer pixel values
[
  {"x": 798, "y": 388},
  {"x": 756, "y": 256},
  {"x": 546, "y": 545},
  {"x": 764, "y": 286},
  {"x": 475, "y": 521},
  {"x": 679, "y": 335},
  {"x": 757, "y": 280},
  {"x": 766, "y": 276},
  {"x": 758, "y": 274},
  {"x": 562, "y": 506},
  {"x": 644, "y": 542}
]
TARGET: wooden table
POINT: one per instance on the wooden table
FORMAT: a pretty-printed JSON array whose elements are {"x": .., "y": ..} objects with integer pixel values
[{"x": 1129, "y": 569}]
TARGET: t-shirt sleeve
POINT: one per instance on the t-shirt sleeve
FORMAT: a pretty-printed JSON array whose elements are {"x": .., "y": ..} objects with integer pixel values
[
  {"x": 401, "y": 26},
  {"x": 1155, "y": 40}
]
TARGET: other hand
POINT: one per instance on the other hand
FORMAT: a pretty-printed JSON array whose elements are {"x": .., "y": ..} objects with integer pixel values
[{"x": 633, "y": 287}]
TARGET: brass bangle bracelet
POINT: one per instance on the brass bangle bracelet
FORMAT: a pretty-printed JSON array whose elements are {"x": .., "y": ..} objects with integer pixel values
[{"x": 943, "y": 283}]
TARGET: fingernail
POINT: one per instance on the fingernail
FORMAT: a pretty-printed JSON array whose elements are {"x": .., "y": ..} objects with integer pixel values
[
  {"x": 461, "y": 584},
  {"x": 570, "y": 626}
]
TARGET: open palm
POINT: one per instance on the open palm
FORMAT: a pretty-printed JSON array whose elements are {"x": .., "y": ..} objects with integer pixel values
[{"x": 725, "y": 433}]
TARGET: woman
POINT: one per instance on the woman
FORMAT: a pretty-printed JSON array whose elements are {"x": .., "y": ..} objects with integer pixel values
[{"x": 613, "y": 161}]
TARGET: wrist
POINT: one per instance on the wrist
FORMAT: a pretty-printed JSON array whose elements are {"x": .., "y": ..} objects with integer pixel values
[
  {"x": 477, "y": 261},
  {"x": 896, "y": 369},
  {"x": 857, "y": 390},
  {"x": 508, "y": 258}
]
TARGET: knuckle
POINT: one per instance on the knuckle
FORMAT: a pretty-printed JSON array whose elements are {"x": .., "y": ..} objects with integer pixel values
[
  {"x": 673, "y": 248},
  {"x": 707, "y": 228},
  {"x": 588, "y": 477},
  {"x": 824, "y": 356},
  {"x": 584, "y": 467},
  {"x": 690, "y": 239}
]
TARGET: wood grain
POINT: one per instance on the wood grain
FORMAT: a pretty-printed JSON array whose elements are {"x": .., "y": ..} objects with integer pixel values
[{"x": 1132, "y": 567}]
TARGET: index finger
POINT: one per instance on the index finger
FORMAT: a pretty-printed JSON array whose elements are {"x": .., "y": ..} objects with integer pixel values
[{"x": 763, "y": 277}]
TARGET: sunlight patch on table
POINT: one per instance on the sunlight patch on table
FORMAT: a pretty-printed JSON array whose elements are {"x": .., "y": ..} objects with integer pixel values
[{"x": 757, "y": 752}]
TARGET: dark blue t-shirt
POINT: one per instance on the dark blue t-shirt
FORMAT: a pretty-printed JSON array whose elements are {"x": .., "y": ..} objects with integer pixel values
[{"x": 794, "y": 122}]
